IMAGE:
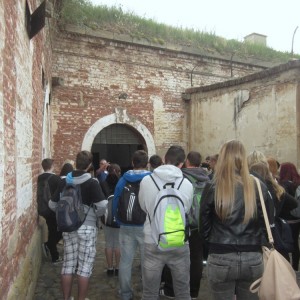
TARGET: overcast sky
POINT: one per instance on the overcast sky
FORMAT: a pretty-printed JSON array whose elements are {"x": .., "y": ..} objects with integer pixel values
[{"x": 231, "y": 19}]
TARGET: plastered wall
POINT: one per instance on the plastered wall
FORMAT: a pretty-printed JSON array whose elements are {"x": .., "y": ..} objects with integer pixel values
[{"x": 259, "y": 110}]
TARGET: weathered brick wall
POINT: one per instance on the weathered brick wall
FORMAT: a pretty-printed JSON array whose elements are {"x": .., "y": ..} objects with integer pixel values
[
  {"x": 22, "y": 96},
  {"x": 261, "y": 110},
  {"x": 97, "y": 70}
]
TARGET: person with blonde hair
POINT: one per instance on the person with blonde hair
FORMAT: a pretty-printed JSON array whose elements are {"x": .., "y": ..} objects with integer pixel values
[
  {"x": 255, "y": 157},
  {"x": 283, "y": 203},
  {"x": 232, "y": 223}
]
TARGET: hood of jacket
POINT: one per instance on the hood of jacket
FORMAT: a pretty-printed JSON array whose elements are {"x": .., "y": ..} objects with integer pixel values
[
  {"x": 71, "y": 177},
  {"x": 168, "y": 173},
  {"x": 135, "y": 175},
  {"x": 197, "y": 173}
]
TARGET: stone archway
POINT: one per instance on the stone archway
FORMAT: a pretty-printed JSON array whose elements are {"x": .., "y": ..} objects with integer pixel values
[{"x": 120, "y": 117}]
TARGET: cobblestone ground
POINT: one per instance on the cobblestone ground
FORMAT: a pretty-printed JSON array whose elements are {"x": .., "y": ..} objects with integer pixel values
[{"x": 101, "y": 286}]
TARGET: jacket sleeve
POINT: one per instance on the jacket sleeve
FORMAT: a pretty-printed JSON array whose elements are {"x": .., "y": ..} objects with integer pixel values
[
  {"x": 206, "y": 211},
  {"x": 143, "y": 193}
]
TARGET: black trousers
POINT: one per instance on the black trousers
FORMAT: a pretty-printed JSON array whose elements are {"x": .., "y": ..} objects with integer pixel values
[
  {"x": 196, "y": 267},
  {"x": 295, "y": 227},
  {"x": 54, "y": 236}
]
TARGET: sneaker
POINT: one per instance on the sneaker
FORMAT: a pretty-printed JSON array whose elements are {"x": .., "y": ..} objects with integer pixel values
[
  {"x": 116, "y": 272},
  {"x": 162, "y": 293},
  {"x": 110, "y": 272},
  {"x": 46, "y": 250},
  {"x": 57, "y": 261}
]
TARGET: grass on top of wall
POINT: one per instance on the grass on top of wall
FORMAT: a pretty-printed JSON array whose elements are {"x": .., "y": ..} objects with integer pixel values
[{"x": 114, "y": 19}]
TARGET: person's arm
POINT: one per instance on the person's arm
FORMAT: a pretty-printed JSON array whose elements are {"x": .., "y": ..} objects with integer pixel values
[
  {"x": 143, "y": 193},
  {"x": 206, "y": 211}
]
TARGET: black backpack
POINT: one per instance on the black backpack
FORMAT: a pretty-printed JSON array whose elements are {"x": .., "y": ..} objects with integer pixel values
[
  {"x": 43, "y": 197},
  {"x": 129, "y": 210}
]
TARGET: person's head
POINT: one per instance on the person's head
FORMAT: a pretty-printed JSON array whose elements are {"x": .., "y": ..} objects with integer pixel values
[
  {"x": 114, "y": 169},
  {"x": 103, "y": 164},
  {"x": 262, "y": 170},
  {"x": 155, "y": 161},
  {"x": 193, "y": 159},
  {"x": 47, "y": 164},
  {"x": 66, "y": 168},
  {"x": 273, "y": 166},
  {"x": 232, "y": 170},
  {"x": 140, "y": 159},
  {"x": 255, "y": 157},
  {"x": 175, "y": 156},
  {"x": 83, "y": 160},
  {"x": 213, "y": 161},
  {"x": 288, "y": 172}
]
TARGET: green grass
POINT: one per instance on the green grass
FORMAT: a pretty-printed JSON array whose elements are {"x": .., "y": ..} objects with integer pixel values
[{"x": 114, "y": 19}]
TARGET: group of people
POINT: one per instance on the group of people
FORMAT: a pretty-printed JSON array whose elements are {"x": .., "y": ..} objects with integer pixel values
[{"x": 230, "y": 228}]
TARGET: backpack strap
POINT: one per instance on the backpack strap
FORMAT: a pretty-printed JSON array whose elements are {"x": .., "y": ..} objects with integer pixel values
[
  {"x": 155, "y": 182},
  {"x": 180, "y": 183}
]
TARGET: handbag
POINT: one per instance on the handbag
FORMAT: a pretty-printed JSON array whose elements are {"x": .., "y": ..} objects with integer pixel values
[{"x": 278, "y": 281}]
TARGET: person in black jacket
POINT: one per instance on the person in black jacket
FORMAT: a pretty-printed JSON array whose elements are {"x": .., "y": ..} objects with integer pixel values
[
  {"x": 232, "y": 223},
  {"x": 289, "y": 178},
  {"x": 54, "y": 236}
]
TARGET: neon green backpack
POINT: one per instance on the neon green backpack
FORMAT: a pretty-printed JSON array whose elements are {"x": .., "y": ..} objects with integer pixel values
[{"x": 168, "y": 222}]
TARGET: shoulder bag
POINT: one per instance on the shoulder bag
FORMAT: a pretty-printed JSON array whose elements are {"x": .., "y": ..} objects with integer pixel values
[{"x": 278, "y": 281}]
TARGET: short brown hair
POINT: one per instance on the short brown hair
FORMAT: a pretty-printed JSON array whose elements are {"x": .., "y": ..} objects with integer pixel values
[
  {"x": 47, "y": 164},
  {"x": 83, "y": 160},
  {"x": 140, "y": 159}
]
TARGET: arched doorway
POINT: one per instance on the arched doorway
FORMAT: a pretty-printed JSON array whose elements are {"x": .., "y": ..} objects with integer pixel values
[
  {"x": 116, "y": 143},
  {"x": 128, "y": 122}
]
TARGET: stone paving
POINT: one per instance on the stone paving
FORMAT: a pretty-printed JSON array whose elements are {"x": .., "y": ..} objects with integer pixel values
[{"x": 101, "y": 287}]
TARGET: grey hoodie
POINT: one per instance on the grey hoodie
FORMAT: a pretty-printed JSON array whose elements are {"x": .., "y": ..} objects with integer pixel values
[{"x": 148, "y": 192}]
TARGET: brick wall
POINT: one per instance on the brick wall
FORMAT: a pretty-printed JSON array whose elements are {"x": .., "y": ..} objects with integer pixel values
[
  {"x": 96, "y": 69},
  {"x": 22, "y": 96}
]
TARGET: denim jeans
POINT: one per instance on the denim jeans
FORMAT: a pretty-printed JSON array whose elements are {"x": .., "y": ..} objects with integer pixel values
[
  {"x": 130, "y": 237},
  {"x": 196, "y": 267},
  {"x": 178, "y": 261},
  {"x": 232, "y": 273}
]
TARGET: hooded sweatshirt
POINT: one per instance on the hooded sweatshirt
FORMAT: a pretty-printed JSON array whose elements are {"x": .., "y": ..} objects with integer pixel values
[
  {"x": 91, "y": 194},
  {"x": 197, "y": 173},
  {"x": 130, "y": 176},
  {"x": 148, "y": 192}
]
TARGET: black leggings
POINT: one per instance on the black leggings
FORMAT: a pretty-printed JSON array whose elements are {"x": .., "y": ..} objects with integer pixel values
[{"x": 295, "y": 227}]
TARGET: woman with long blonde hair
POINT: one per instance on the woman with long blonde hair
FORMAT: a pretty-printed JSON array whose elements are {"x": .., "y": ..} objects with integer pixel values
[{"x": 232, "y": 223}]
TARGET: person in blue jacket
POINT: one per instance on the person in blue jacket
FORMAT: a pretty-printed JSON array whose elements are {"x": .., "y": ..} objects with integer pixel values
[{"x": 131, "y": 235}]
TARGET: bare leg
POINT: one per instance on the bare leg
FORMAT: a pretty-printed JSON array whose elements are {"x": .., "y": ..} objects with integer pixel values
[
  {"x": 109, "y": 257},
  {"x": 66, "y": 284},
  {"x": 117, "y": 257},
  {"x": 83, "y": 284}
]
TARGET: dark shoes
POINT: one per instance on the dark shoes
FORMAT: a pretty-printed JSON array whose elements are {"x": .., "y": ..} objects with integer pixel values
[{"x": 112, "y": 272}]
